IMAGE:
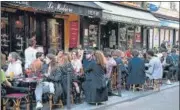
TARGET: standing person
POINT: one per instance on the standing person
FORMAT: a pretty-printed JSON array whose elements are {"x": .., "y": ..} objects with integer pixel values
[
  {"x": 14, "y": 68},
  {"x": 88, "y": 58},
  {"x": 163, "y": 46},
  {"x": 172, "y": 60},
  {"x": 109, "y": 66},
  {"x": 136, "y": 70},
  {"x": 30, "y": 54},
  {"x": 95, "y": 87},
  {"x": 155, "y": 70},
  {"x": 52, "y": 82},
  {"x": 128, "y": 53}
]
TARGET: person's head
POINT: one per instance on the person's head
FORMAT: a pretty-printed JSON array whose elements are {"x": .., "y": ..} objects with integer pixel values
[
  {"x": 66, "y": 58},
  {"x": 52, "y": 51},
  {"x": 89, "y": 54},
  {"x": 74, "y": 55},
  {"x": 173, "y": 50},
  {"x": 100, "y": 59},
  {"x": 39, "y": 55},
  {"x": 13, "y": 57},
  {"x": 60, "y": 53},
  {"x": 108, "y": 54},
  {"x": 51, "y": 59},
  {"x": 135, "y": 53},
  {"x": 30, "y": 43},
  {"x": 164, "y": 53},
  {"x": 150, "y": 54}
]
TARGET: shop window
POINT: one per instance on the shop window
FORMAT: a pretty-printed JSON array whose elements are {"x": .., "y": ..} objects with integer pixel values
[{"x": 5, "y": 41}]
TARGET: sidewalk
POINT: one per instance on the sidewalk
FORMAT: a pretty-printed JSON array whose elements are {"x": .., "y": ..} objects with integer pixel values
[{"x": 112, "y": 100}]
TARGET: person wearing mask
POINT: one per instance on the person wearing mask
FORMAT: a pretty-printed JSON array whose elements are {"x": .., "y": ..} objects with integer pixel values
[
  {"x": 51, "y": 83},
  {"x": 30, "y": 54},
  {"x": 155, "y": 69},
  {"x": 88, "y": 58},
  {"x": 109, "y": 66},
  {"x": 14, "y": 67},
  {"x": 136, "y": 70},
  {"x": 95, "y": 88}
]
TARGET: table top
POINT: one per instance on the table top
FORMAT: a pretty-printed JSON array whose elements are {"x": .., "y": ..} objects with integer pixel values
[{"x": 30, "y": 80}]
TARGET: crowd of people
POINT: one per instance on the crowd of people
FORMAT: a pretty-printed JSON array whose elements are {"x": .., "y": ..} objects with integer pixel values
[{"x": 90, "y": 70}]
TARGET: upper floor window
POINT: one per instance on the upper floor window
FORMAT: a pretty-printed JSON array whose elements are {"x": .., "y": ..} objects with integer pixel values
[{"x": 173, "y": 6}]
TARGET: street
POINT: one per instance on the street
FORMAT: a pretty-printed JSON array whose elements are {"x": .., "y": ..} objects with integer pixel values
[{"x": 164, "y": 100}]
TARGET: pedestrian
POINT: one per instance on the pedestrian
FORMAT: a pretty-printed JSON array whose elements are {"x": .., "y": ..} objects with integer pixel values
[
  {"x": 88, "y": 58},
  {"x": 95, "y": 88}
]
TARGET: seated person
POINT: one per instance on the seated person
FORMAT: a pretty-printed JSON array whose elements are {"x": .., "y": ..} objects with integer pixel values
[
  {"x": 52, "y": 82},
  {"x": 14, "y": 68},
  {"x": 3, "y": 79},
  {"x": 37, "y": 64}
]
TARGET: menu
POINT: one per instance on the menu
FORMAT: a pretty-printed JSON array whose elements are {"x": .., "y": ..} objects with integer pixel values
[{"x": 73, "y": 34}]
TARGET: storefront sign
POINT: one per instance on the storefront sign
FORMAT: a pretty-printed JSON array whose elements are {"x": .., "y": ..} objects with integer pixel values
[
  {"x": 138, "y": 37},
  {"x": 57, "y": 6},
  {"x": 73, "y": 34},
  {"x": 25, "y": 3}
]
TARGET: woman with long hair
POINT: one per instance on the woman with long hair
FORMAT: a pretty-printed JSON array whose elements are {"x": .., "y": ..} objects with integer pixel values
[
  {"x": 66, "y": 68},
  {"x": 51, "y": 83},
  {"x": 95, "y": 87}
]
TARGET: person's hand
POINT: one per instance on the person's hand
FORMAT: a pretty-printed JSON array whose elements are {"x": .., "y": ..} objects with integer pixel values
[{"x": 8, "y": 84}]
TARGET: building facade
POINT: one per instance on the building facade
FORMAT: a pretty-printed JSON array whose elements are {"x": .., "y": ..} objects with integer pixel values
[{"x": 56, "y": 24}]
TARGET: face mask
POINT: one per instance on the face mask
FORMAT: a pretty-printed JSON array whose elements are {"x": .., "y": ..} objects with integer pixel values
[
  {"x": 88, "y": 56},
  {"x": 48, "y": 60}
]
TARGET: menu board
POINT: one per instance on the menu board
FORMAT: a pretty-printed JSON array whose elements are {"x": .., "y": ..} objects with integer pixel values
[{"x": 73, "y": 34}]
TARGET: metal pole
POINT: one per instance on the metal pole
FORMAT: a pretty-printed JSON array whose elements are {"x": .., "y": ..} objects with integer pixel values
[
  {"x": 68, "y": 90},
  {"x": 0, "y": 57},
  {"x": 119, "y": 80}
]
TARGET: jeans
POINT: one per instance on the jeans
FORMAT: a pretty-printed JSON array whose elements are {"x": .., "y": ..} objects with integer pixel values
[{"x": 43, "y": 87}]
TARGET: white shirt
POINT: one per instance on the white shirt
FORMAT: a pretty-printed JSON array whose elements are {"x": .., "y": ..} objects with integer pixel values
[
  {"x": 77, "y": 65},
  {"x": 15, "y": 67},
  {"x": 155, "y": 68},
  {"x": 30, "y": 56}
]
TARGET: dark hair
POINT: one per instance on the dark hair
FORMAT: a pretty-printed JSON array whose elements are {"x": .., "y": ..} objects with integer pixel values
[
  {"x": 30, "y": 42},
  {"x": 53, "y": 63},
  {"x": 150, "y": 52},
  {"x": 135, "y": 53},
  {"x": 107, "y": 54},
  {"x": 33, "y": 34},
  {"x": 38, "y": 54},
  {"x": 52, "y": 51},
  {"x": 173, "y": 50}
]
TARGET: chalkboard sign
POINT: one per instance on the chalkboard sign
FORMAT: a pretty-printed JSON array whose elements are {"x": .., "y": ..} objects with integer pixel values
[{"x": 73, "y": 34}]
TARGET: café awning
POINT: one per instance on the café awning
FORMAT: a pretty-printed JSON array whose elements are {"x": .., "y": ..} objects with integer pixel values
[{"x": 127, "y": 15}]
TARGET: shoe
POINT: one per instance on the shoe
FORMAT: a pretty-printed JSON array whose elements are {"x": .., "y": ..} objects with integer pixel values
[
  {"x": 39, "y": 105},
  {"x": 168, "y": 82}
]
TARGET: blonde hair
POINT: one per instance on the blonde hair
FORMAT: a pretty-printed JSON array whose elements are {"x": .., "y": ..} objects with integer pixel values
[
  {"x": 66, "y": 58},
  {"x": 100, "y": 58}
]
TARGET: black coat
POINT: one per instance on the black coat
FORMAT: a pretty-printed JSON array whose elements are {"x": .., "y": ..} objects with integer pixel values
[
  {"x": 55, "y": 77},
  {"x": 95, "y": 87},
  {"x": 136, "y": 68}
]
